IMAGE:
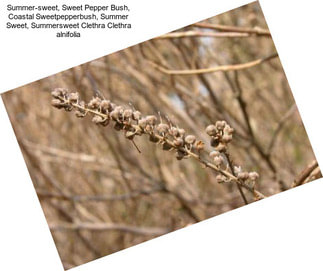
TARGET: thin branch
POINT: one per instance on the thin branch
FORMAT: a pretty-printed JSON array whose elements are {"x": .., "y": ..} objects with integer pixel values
[
  {"x": 82, "y": 198},
  {"x": 108, "y": 227},
  {"x": 223, "y": 68},
  {"x": 279, "y": 127},
  {"x": 255, "y": 31},
  {"x": 301, "y": 179},
  {"x": 188, "y": 34}
]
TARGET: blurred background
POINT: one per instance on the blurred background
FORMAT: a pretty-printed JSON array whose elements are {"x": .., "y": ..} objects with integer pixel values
[{"x": 100, "y": 195}]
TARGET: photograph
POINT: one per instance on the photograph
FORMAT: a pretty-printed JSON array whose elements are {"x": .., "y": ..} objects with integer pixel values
[{"x": 161, "y": 135}]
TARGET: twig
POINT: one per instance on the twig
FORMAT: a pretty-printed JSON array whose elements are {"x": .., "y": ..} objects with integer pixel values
[
  {"x": 82, "y": 198},
  {"x": 108, "y": 227},
  {"x": 188, "y": 34},
  {"x": 301, "y": 179},
  {"x": 256, "y": 30},
  {"x": 223, "y": 68},
  {"x": 280, "y": 125}
]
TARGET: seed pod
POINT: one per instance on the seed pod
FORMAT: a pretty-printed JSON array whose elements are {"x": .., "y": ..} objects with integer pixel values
[
  {"x": 221, "y": 147},
  {"x": 97, "y": 119},
  {"x": 94, "y": 103},
  {"x": 214, "y": 154},
  {"x": 237, "y": 170},
  {"x": 228, "y": 130},
  {"x": 174, "y": 132},
  {"x": 243, "y": 176},
  {"x": 226, "y": 138},
  {"x": 118, "y": 126},
  {"x": 57, "y": 103},
  {"x": 105, "y": 105},
  {"x": 162, "y": 128},
  {"x": 214, "y": 141},
  {"x": 136, "y": 115},
  {"x": 166, "y": 146},
  {"x": 112, "y": 107},
  {"x": 180, "y": 155},
  {"x": 190, "y": 139},
  {"x": 220, "y": 125},
  {"x": 153, "y": 138},
  {"x": 199, "y": 145},
  {"x": 115, "y": 114},
  {"x": 79, "y": 114},
  {"x": 58, "y": 92},
  {"x": 253, "y": 176},
  {"x": 142, "y": 123},
  {"x": 181, "y": 132},
  {"x": 211, "y": 130},
  {"x": 73, "y": 97},
  {"x": 178, "y": 142},
  {"x": 151, "y": 120},
  {"x": 127, "y": 114},
  {"x": 218, "y": 160}
]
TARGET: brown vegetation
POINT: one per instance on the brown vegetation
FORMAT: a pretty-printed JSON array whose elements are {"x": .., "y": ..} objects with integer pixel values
[{"x": 101, "y": 195}]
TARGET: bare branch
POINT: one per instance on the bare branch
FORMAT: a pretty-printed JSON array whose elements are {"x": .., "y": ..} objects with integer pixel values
[
  {"x": 108, "y": 227},
  {"x": 256, "y": 30},
  {"x": 188, "y": 34},
  {"x": 223, "y": 68}
]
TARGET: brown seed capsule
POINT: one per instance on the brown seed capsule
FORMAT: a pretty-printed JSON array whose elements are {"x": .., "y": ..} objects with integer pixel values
[
  {"x": 56, "y": 93},
  {"x": 166, "y": 146},
  {"x": 115, "y": 114},
  {"x": 97, "y": 119},
  {"x": 181, "y": 132},
  {"x": 136, "y": 115},
  {"x": 73, "y": 97},
  {"x": 214, "y": 141},
  {"x": 153, "y": 138},
  {"x": 174, "y": 132},
  {"x": 178, "y": 142},
  {"x": 118, "y": 126},
  {"x": 218, "y": 160},
  {"x": 190, "y": 139},
  {"x": 226, "y": 138},
  {"x": 243, "y": 176},
  {"x": 253, "y": 176},
  {"x": 214, "y": 154},
  {"x": 211, "y": 130},
  {"x": 228, "y": 130},
  {"x": 79, "y": 114},
  {"x": 105, "y": 105},
  {"x": 151, "y": 120},
  {"x": 220, "y": 125},
  {"x": 57, "y": 103},
  {"x": 221, "y": 147},
  {"x": 127, "y": 114},
  {"x": 180, "y": 155},
  {"x": 142, "y": 123},
  {"x": 162, "y": 128},
  {"x": 94, "y": 103}
]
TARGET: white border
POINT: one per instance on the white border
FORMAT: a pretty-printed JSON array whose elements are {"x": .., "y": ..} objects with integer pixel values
[{"x": 283, "y": 232}]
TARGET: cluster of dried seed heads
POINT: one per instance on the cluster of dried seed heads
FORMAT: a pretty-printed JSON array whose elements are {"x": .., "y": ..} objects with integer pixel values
[{"x": 170, "y": 136}]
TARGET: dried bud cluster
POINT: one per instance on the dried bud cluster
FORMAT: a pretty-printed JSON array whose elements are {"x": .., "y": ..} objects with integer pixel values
[
  {"x": 221, "y": 135},
  {"x": 133, "y": 124},
  {"x": 130, "y": 121}
]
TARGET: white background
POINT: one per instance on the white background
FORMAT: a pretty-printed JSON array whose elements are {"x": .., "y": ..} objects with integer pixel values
[{"x": 283, "y": 232}]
